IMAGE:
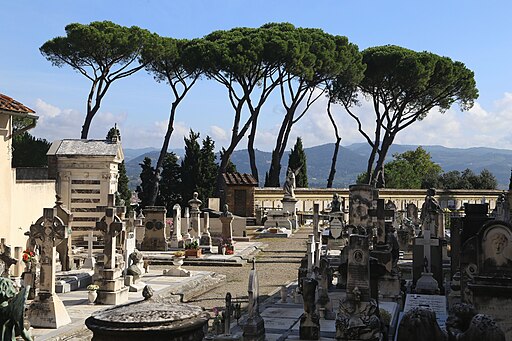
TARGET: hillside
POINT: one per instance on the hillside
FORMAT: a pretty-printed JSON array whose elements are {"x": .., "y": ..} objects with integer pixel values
[{"x": 352, "y": 161}]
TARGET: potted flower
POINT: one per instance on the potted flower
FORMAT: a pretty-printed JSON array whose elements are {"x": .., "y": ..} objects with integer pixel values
[
  {"x": 28, "y": 257},
  {"x": 92, "y": 294},
  {"x": 192, "y": 249}
]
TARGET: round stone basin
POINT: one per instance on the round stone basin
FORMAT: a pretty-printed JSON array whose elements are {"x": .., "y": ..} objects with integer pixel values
[{"x": 157, "y": 318}]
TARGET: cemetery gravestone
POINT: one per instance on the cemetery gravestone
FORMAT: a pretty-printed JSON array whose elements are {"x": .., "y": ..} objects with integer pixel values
[
  {"x": 47, "y": 310},
  {"x": 155, "y": 237},
  {"x": 309, "y": 328},
  {"x": 357, "y": 305},
  {"x": 195, "y": 222},
  {"x": 254, "y": 328},
  {"x": 108, "y": 274},
  {"x": 6, "y": 261},
  {"x": 177, "y": 238},
  {"x": 360, "y": 203},
  {"x": 206, "y": 238},
  {"x": 90, "y": 261},
  {"x": 226, "y": 218},
  {"x": 486, "y": 272}
]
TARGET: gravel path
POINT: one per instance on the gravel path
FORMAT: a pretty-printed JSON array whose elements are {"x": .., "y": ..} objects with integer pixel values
[{"x": 277, "y": 264}]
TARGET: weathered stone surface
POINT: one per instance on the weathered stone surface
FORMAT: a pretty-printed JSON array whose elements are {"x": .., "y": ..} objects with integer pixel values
[
  {"x": 158, "y": 318},
  {"x": 420, "y": 324}
]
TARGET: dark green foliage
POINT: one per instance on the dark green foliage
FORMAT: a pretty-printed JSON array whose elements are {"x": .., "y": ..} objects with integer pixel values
[
  {"x": 297, "y": 161},
  {"x": 468, "y": 180},
  {"x": 404, "y": 86},
  {"x": 191, "y": 167},
  {"x": 146, "y": 176},
  {"x": 101, "y": 51},
  {"x": 510, "y": 181},
  {"x": 170, "y": 183},
  {"x": 123, "y": 192},
  {"x": 208, "y": 170},
  {"x": 29, "y": 151},
  {"x": 113, "y": 132}
]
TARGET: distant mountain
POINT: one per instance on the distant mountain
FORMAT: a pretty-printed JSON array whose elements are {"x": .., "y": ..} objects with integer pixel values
[
  {"x": 497, "y": 161},
  {"x": 351, "y": 161}
]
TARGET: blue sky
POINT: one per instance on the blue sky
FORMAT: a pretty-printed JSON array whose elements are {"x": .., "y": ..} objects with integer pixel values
[{"x": 475, "y": 33}]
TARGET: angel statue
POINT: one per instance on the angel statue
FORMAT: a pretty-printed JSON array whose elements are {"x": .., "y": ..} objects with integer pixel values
[{"x": 289, "y": 184}]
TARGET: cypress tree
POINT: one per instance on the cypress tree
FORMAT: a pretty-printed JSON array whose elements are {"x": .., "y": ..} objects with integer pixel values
[
  {"x": 170, "y": 183},
  {"x": 123, "y": 191},
  {"x": 297, "y": 160},
  {"x": 146, "y": 175},
  {"x": 190, "y": 167},
  {"x": 208, "y": 170}
]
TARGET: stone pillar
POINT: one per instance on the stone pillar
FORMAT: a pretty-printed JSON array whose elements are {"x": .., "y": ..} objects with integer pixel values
[
  {"x": 206, "y": 238},
  {"x": 254, "y": 328},
  {"x": 309, "y": 328},
  {"x": 187, "y": 236},
  {"x": 177, "y": 238},
  {"x": 226, "y": 218},
  {"x": 195, "y": 222}
]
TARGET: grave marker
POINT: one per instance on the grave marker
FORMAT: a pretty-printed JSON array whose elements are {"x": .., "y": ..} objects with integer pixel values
[{"x": 90, "y": 261}]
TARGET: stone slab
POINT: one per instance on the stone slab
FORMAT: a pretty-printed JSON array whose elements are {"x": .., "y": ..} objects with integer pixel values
[
  {"x": 435, "y": 302},
  {"x": 278, "y": 312},
  {"x": 280, "y": 323},
  {"x": 73, "y": 281}
]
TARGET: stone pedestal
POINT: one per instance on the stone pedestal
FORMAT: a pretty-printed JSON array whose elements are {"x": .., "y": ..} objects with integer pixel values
[
  {"x": 48, "y": 311},
  {"x": 289, "y": 205},
  {"x": 206, "y": 238},
  {"x": 155, "y": 237},
  {"x": 112, "y": 289},
  {"x": 195, "y": 222},
  {"x": 227, "y": 226}
]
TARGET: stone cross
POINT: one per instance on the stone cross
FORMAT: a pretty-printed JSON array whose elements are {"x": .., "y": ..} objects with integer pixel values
[
  {"x": 90, "y": 238},
  {"x": 379, "y": 216},
  {"x": 5, "y": 258},
  {"x": 111, "y": 226},
  {"x": 90, "y": 261},
  {"x": 427, "y": 244},
  {"x": 48, "y": 232}
]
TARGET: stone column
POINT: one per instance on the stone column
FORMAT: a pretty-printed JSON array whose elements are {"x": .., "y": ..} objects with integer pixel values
[
  {"x": 195, "y": 222},
  {"x": 176, "y": 238},
  {"x": 206, "y": 238},
  {"x": 226, "y": 219}
]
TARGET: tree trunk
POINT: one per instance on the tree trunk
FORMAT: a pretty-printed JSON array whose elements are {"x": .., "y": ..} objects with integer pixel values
[
  {"x": 333, "y": 162},
  {"x": 87, "y": 125},
  {"x": 378, "y": 174},
  {"x": 250, "y": 149}
]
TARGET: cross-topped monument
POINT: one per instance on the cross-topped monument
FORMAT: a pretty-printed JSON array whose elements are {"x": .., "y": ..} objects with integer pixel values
[
  {"x": 90, "y": 261},
  {"x": 108, "y": 275},
  {"x": 379, "y": 216},
  {"x": 111, "y": 226},
  {"x": 47, "y": 310}
]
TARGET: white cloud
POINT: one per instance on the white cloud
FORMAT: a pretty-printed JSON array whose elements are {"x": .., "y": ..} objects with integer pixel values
[{"x": 219, "y": 135}]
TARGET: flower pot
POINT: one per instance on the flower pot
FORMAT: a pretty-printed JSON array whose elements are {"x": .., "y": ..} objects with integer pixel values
[
  {"x": 91, "y": 296},
  {"x": 178, "y": 261},
  {"x": 193, "y": 253}
]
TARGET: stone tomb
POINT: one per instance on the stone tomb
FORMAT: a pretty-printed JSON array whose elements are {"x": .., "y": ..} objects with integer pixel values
[
  {"x": 47, "y": 310},
  {"x": 155, "y": 237},
  {"x": 486, "y": 273},
  {"x": 176, "y": 238},
  {"x": 195, "y": 221}
]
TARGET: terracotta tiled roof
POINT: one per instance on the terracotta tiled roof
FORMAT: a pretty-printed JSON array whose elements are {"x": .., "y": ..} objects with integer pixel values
[
  {"x": 239, "y": 179},
  {"x": 9, "y": 104}
]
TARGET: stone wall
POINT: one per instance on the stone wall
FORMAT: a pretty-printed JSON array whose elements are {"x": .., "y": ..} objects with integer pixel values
[
  {"x": 28, "y": 199},
  {"x": 269, "y": 198},
  {"x": 234, "y": 201}
]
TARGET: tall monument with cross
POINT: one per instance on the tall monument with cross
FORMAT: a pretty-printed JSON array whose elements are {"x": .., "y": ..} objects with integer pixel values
[
  {"x": 107, "y": 274},
  {"x": 47, "y": 310},
  {"x": 427, "y": 252}
]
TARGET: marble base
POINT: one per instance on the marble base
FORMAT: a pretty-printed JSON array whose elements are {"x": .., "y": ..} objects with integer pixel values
[
  {"x": 112, "y": 297},
  {"x": 48, "y": 311},
  {"x": 177, "y": 272},
  {"x": 89, "y": 263}
]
